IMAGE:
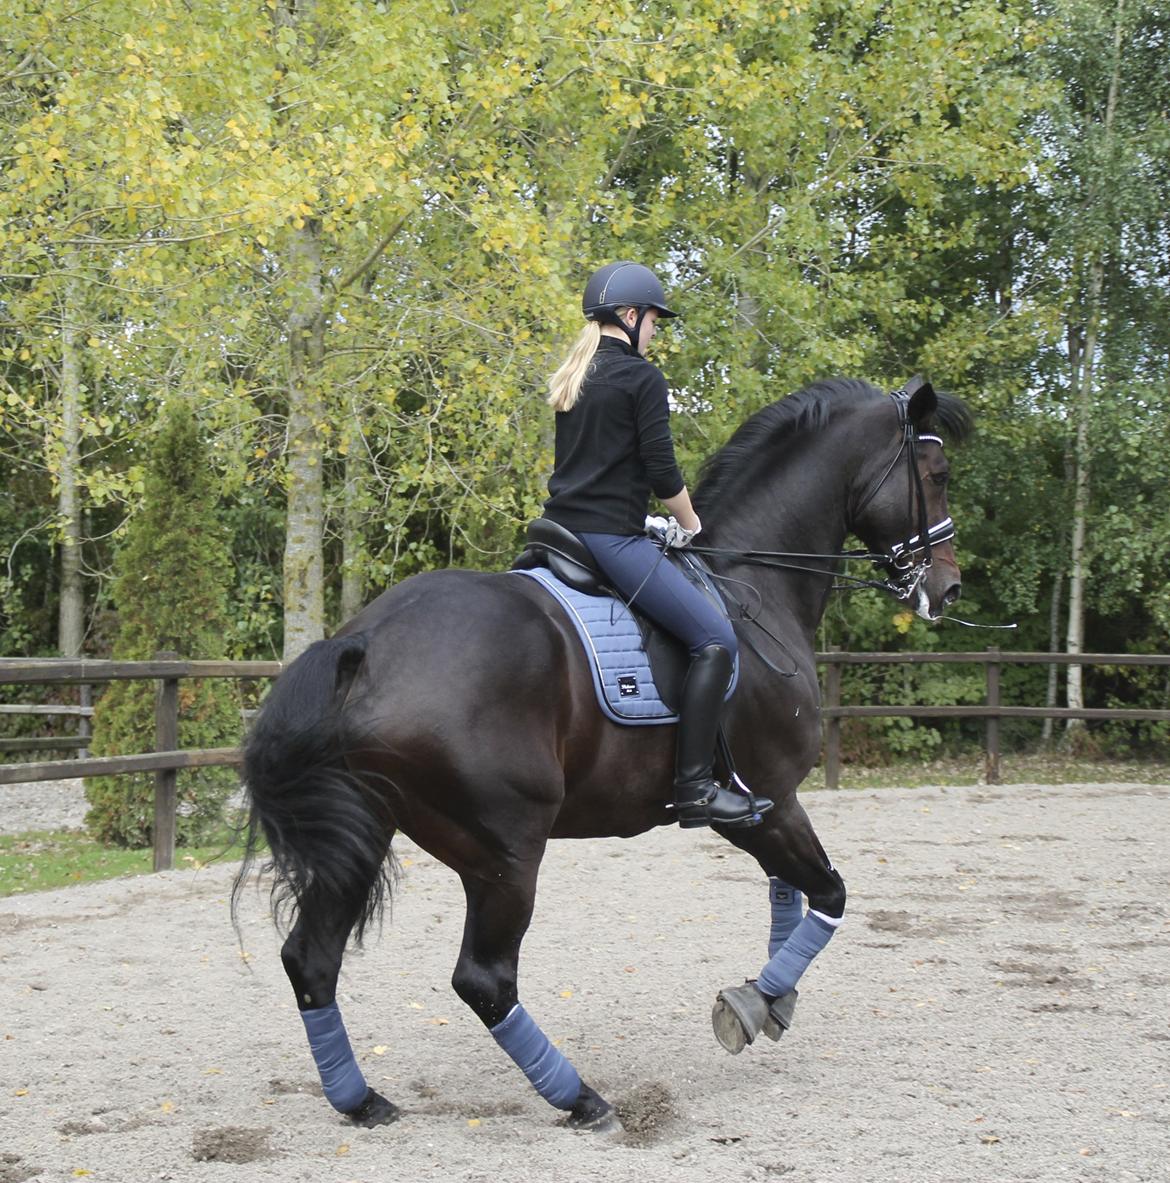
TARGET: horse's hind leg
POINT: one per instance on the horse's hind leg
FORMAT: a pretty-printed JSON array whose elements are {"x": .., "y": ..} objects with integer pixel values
[
  {"x": 312, "y": 957},
  {"x": 498, "y": 914},
  {"x": 793, "y": 858}
]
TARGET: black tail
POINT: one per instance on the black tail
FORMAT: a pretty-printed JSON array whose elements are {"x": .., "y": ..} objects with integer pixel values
[{"x": 327, "y": 830}]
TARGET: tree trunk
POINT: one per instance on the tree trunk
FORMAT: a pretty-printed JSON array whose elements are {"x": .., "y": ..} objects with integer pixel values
[
  {"x": 304, "y": 594},
  {"x": 304, "y": 563},
  {"x": 352, "y": 583},
  {"x": 1053, "y": 647},
  {"x": 71, "y": 609},
  {"x": 1083, "y": 405}
]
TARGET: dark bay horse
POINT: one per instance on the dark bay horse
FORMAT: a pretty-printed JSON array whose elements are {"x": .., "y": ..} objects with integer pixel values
[{"x": 458, "y": 709}]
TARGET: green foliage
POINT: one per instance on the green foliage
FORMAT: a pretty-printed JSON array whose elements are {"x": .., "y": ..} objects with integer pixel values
[
  {"x": 173, "y": 572},
  {"x": 827, "y": 187}
]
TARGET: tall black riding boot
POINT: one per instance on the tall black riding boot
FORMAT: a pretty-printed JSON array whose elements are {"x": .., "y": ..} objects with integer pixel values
[{"x": 698, "y": 799}]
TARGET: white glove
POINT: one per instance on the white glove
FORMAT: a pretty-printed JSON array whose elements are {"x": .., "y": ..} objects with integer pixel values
[
  {"x": 655, "y": 525},
  {"x": 679, "y": 536}
]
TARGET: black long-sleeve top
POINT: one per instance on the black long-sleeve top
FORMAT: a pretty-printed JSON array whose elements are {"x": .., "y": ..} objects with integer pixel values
[{"x": 614, "y": 448}]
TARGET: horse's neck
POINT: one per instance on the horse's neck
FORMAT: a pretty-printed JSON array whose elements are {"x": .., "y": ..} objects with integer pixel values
[{"x": 800, "y": 508}]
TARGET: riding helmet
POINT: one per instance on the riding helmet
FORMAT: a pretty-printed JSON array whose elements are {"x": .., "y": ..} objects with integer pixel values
[{"x": 623, "y": 285}]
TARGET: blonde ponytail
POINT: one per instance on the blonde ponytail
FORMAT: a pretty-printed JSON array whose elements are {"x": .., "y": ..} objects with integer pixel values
[{"x": 564, "y": 387}]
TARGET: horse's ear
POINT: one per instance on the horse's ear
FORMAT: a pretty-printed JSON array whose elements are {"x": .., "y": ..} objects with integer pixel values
[{"x": 923, "y": 400}]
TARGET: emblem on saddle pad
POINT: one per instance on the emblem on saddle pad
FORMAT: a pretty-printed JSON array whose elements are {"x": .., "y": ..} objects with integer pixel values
[{"x": 627, "y": 686}]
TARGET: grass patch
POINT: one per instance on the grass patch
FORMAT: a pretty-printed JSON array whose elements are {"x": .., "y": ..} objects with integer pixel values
[
  {"x": 42, "y": 860},
  {"x": 1015, "y": 769}
]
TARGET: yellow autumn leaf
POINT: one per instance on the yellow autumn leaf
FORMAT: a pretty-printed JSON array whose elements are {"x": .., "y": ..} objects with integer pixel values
[
  {"x": 380, "y": 1050},
  {"x": 473, "y": 1122}
]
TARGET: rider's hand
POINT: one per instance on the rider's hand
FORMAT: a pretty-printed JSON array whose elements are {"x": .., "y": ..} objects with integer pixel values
[
  {"x": 655, "y": 525},
  {"x": 679, "y": 536}
]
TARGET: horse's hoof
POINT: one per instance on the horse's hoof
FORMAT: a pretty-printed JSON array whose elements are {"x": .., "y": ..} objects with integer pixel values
[
  {"x": 780, "y": 1015},
  {"x": 375, "y": 1110},
  {"x": 592, "y": 1113},
  {"x": 738, "y": 1016}
]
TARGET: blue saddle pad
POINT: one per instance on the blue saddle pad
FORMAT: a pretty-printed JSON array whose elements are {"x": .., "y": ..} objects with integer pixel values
[{"x": 612, "y": 636}]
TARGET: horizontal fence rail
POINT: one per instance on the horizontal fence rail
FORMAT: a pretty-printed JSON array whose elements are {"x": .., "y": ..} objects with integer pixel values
[
  {"x": 164, "y": 761},
  {"x": 167, "y": 758},
  {"x": 992, "y": 710}
]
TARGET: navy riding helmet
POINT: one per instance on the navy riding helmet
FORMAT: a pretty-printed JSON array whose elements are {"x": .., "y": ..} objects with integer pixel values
[{"x": 624, "y": 285}]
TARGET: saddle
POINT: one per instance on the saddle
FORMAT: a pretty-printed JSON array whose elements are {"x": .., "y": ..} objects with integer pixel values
[{"x": 549, "y": 545}]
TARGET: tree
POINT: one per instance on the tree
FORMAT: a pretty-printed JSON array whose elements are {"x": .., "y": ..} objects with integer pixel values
[
  {"x": 172, "y": 575},
  {"x": 1103, "y": 213}
]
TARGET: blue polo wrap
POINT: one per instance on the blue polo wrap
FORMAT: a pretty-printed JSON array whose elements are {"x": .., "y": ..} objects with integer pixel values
[
  {"x": 787, "y": 912},
  {"x": 809, "y": 937},
  {"x": 341, "y": 1079},
  {"x": 553, "y": 1077}
]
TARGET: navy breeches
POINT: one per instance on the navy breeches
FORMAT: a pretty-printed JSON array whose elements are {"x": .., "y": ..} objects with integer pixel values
[{"x": 634, "y": 564}]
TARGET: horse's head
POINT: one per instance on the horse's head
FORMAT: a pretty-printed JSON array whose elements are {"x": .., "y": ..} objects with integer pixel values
[{"x": 901, "y": 496}]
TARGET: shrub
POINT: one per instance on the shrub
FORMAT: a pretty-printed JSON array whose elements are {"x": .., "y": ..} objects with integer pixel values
[{"x": 172, "y": 572}]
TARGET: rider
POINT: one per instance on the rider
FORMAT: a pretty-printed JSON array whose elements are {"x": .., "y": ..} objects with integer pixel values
[{"x": 613, "y": 449}]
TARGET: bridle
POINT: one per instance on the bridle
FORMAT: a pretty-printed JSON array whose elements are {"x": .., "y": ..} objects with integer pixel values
[
  {"x": 906, "y": 563},
  {"x": 906, "y": 572}
]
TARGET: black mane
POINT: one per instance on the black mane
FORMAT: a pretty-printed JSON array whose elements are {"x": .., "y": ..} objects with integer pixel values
[{"x": 756, "y": 442}]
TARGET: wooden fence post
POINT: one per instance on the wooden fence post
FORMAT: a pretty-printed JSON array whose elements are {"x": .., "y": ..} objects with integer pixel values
[
  {"x": 991, "y": 761},
  {"x": 833, "y": 722},
  {"x": 84, "y": 726},
  {"x": 166, "y": 730}
]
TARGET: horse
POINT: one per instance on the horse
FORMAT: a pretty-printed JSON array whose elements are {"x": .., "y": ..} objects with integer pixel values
[{"x": 458, "y": 709}]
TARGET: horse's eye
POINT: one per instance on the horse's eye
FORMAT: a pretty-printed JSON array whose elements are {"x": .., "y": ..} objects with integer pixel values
[{"x": 939, "y": 478}]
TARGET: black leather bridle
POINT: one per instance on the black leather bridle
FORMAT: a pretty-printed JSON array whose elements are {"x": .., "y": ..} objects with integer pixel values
[{"x": 906, "y": 563}]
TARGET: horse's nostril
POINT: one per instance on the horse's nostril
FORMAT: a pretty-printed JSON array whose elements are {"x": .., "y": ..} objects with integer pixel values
[{"x": 952, "y": 594}]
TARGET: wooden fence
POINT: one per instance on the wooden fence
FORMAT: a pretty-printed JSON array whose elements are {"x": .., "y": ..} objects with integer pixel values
[
  {"x": 167, "y": 759},
  {"x": 992, "y": 709}
]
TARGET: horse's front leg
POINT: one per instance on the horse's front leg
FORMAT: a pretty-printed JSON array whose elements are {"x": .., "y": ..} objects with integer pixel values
[
  {"x": 498, "y": 913},
  {"x": 791, "y": 855}
]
